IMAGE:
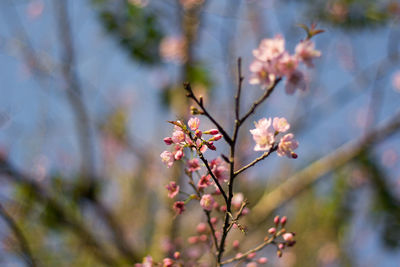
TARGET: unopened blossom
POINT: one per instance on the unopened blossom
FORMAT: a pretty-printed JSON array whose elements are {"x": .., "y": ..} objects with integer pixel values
[
  {"x": 193, "y": 165},
  {"x": 194, "y": 123},
  {"x": 168, "y": 141},
  {"x": 204, "y": 182},
  {"x": 295, "y": 81},
  {"x": 262, "y": 260},
  {"x": 269, "y": 49},
  {"x": 202, "y": 147},
  {"x": 173, "y": 189},
  {"x": 280, "y": 125},
  {"x": 177, "y": 255},
  {"x": 236, "y": 244},
  {"x": 272, "y": 230},
  {"x": 167, "y": 158},
  {"x": 193, "y": 239},
  {"x": 283, "y": 220},
  {"x": 201, "y": 228},
  {"x": 305, "y": 51},
  {"x": 211, "y": 131},
  {"x": 179, "y": 207},
  {"x": 251, "y": 255},
  {"x": 207, "y": 202},
  {"x": 262, "y": 74},
  {"x": 178, "y": 136},
  {"x": 173, "y": 49},
  {"x": 178, "y": 154},
  {"x": 288, "y": 237},
  {"x": 263, "y": 134},
  {"x": 237, "y": 200},
  {"x": 220, "y": 169},
  {"x": 286, "y": 146}
]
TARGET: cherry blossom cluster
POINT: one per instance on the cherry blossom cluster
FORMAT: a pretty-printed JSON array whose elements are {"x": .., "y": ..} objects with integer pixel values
[
  {"x": 188, "y": 136},
  {"x": 273, "y": 61},
  {"x": 265, "y": 135}
]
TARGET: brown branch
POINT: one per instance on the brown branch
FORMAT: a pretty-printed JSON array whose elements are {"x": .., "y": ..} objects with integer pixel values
[
  {"x": 199, "y": 102},
  {"x": 23, "y": 242},
  {"x": 267, "y": 93},
  {"x": 254, "y": 162},
  {"x": 311, "y": 174}
]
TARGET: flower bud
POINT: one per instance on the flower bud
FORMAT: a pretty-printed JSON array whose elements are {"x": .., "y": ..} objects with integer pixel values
[
  {"x": 251, "y": 255},
  {"x": 193, "y": 240},
  {"x": 214, "y": 220},
  {"x": 262, "y": 260},
  {"x": 272, "y": 230},
  {"x": 203, "y": 238},
  {"x": 288, "y": 236},
  {"x": 212, "y": 132},
  {"x": 168, "y": 141},
  {"x": 201, "y": 228},
  {"x": 177, "y": 255},
  {"x": 294, "y": 155},
  {"x": 281, "y": 246},
  {"x": 283, "y": 220},
  {"x": 198, "y": 133},
  {"x": 235, "y": 244},
  {"x": 216, "y": 137},
  {"x": 276, "y": 219},
  {"x": 178, "y": 154}
]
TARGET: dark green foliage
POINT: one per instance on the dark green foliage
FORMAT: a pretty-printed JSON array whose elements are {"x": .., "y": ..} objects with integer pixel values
[{"x": 137, "y": 29}]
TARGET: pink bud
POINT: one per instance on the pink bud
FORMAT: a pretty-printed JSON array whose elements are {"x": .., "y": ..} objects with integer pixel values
[
  {"x": 212, "y": 147},
  {"x": 283, "y": 220},
  {"x": 222, "y": 208},
  {"x": 203, "y": 238},
  {"x": 245, "y": 211},
  {"x": 235, "y": 244},
  {"x": 177, "y": 255},
  {"x": 288, "y": 236},
  {"x": 201, "y": 228},
  {"x": 178, "y": 154},
  {"x": 193, "y": 239},
  {"x": 251, "y": 255},
  {"x": 281, "y": 246},
  {"x": 294, "y": 155},
  {"x": 198, "y": 133},
  {"x": 168, "y": 141},
  {"x": 214, "y": 220},
  {"x": 272, "y": 230},
  {"x": 262, "y": 260},
  {"x": 238, "y": 255},
  {"x": 216, "y": 137},
  {"x": 276, "y": 219},
  {"x": 212, "y": 132}
]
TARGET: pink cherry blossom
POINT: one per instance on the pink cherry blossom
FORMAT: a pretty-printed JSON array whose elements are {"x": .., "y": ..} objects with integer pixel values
[
  {"x": 207, "y": 202},
  {"x": 263, "y": 134},
  {"x": 287, "y": 64},
  {"x": 173, "y": 189},
  {"x": 219, "y": 169},
  {"x": 168, "y": 141},
  {"x": 295, "y": 81},
  {"x": 305, "y": 52},
  {"x": 262, "y": 260},
  {"x": 280, "y": 125},
  {"x": 179, "y": 207},
  {"x": 178, "y": 136},
  {"x": 167, "y": 262},
  {"x": 194, "y": 123},
  {"x": 167, "y": 158},
  {"x": 262, "y": 74},
  {"x": 286, "y": 146},
  {"x": 270, "y": 48},
  {"x": 204, "y": 182},
  {"x": 193, "y": 165},
  {"x": 288, "y": 236},
  {"x": 237, "y": 200}
]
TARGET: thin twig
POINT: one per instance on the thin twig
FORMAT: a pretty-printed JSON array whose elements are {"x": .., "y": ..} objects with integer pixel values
[
  {"x": 267, "y": 93},
  {"x": 263, "y": 156},
  {"x": 23, "y": 242},
  {"x": 200, "y": 103}
]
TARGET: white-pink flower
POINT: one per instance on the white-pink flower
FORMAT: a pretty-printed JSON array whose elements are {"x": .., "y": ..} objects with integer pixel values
[
  {"x": 280, "y": 125},
  {"x": 286, "y": 146},
  {"x": 295, "y": 81},
  {"x": 178, "y": 136},
  {"x": 263, "y": 134},
  {"x": 207, "y": 202},
  {"x": 173, "y": 189},
  {"x": 287, "y": 64},
  {"x": 167, "y": 158},
  {"x": 270, "y": 48},
  {"x": 219, "y": 169},
  {"x": 193, "y": 165},
  {"x": 194, "y": 123},
  {"x": 305, "y": 51},
  {"x": 262, "y": 74},
  {"x": 237, "y": 200}
]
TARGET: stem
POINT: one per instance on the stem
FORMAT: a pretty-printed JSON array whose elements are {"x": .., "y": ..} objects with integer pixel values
[{"x": 263, "y": 156}]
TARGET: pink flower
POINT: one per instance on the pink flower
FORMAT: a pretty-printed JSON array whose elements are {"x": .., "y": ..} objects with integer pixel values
[
  {"x": 212, "y": 132},
  {"x": 262, "y": 74},
  {"x": 173, "y": 49},
  {"x": 178, "y": 152},
  {"x": 237, "y": 200},
  {"x": 201, "y": 228},
  {"x": 263, "y": 134},
  {"x": 167, "y": 158},
  {"x": 286, "y": 146},
  {"x": 194, "y": 123},
  {"x": 201, "y": 146},
  {"x": 287, "y": 64},
  {"x": 305, "y": 52},
  {"x": 270, "y": 48},
  {"x": 179, "y": 207},
  {"x": 167, "y": 262},
  {"x": 219, "y": 169},
  {"x": 295, "y": 81},
  {"x": 262, "y": 260},
  {"x": 178, "y": 136},
  {"x": 280, "y": 125},
  {"x": 193, "y": 165},
  {"x": 207, "y": 202},
  {"x": 173, "y": 189},
  {"x": 204, "y": 182}
]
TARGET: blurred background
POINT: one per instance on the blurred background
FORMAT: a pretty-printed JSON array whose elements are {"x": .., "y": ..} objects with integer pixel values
[{"x": 86, "y": 90}]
